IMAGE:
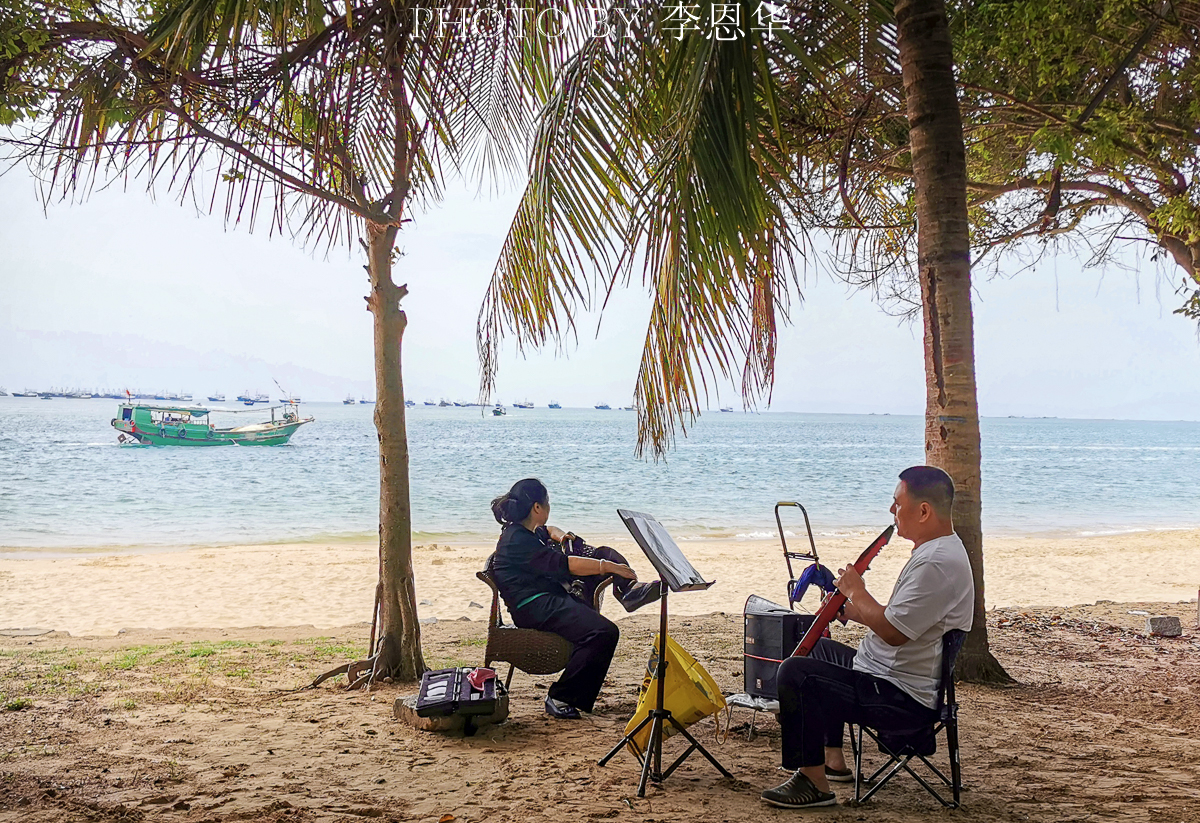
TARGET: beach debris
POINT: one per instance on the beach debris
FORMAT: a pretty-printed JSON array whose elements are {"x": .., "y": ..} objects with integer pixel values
[
  {"x": 427, "y": 621},
  {"x": 425, "y": 603},
  {"x": 474, "y": 605},
  {"x": 1138, "y": 611},
  {"x": 465, "y": 618},
  {"x": 1164, "y": 626}
]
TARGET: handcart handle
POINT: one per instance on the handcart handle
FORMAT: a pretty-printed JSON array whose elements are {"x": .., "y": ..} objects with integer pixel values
[{"x": 808, "y": 527}]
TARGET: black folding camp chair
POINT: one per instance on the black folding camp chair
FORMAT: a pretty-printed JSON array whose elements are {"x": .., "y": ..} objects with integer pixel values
[{"x": 903, "y": 746}]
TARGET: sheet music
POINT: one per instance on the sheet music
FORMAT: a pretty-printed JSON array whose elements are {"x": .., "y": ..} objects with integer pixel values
[{"x": 663, "y": 552}]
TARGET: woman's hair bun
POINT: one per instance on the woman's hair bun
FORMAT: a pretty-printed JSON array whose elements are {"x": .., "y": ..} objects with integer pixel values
[{"x": 515, "y": 505}]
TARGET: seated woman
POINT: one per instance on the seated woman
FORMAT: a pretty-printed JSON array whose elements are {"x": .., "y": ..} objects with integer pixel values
[{"x": 532, "y": 574}]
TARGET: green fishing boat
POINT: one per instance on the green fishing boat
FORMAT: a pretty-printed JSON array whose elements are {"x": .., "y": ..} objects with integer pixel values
[{"x": 151, "y": 425}]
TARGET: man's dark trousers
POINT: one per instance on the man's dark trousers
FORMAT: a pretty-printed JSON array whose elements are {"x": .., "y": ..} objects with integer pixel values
[{"x": 820, "y": 693}]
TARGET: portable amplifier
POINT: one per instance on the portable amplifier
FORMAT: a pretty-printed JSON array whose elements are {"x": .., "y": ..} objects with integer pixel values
[{"x": 772, "y": 633}]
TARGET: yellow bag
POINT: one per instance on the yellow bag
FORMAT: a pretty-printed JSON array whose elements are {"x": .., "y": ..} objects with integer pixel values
[{"x": 689, "y": 693}]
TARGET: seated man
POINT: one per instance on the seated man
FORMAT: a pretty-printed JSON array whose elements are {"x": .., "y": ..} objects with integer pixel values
[{"x": 891, "y": 682}]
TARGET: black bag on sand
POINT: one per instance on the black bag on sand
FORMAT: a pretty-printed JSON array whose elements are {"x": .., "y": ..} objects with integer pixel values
[{"x": 470, "y": 692}]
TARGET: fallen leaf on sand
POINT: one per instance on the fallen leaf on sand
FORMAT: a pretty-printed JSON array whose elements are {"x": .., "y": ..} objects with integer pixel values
[{"x": 446, "y": 818}]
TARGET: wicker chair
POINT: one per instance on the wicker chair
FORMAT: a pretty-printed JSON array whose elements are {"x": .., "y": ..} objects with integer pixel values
[{"x": 531, "y": 650}]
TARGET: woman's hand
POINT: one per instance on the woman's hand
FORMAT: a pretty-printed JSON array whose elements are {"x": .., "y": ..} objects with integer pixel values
[
  {"x": 556, "y": 534},
  {"x": 619, "y": 569}
]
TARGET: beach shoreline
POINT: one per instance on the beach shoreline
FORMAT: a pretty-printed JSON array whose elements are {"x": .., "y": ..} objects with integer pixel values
[{"x": 331, "y": 584}]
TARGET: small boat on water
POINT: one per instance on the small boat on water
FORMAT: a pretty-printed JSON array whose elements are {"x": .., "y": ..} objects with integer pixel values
[
  {"x": 444, "y": 403},
  {"x": 216, "y": 398},
  {"x": 603, "y": 406},
  {"x": 174, "y": 425},
  {"x": 362, "y": 401},
  {"x": 430, "y": 403},
  {"x": 3, "y": 393},
  {"x": 727, "y": 409},
  {"x": 528, "y": 404},
  {"x": 290, "y": 401},
  {"x": 349, "y": 401},
  {"x": 408, "y": 404},
  {"x": 554, "y": 404},
  {"x": 498, "y": 410}
]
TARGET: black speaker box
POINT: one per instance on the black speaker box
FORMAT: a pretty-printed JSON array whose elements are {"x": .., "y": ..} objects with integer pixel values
[{"x": 772, "y": 633}]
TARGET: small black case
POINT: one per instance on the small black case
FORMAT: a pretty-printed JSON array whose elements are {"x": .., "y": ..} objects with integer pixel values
[{"x": 447, "y": 692}]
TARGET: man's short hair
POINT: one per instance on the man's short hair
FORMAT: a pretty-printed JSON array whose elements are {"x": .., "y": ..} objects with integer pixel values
[{"x": 929, "y": 484}]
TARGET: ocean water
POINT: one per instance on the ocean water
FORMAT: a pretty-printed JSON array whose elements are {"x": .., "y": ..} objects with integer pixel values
[{"x": 66, "y": 485}]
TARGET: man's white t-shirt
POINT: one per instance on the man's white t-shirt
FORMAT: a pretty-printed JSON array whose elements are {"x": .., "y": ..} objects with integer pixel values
[{"x": 934, "y": 594}]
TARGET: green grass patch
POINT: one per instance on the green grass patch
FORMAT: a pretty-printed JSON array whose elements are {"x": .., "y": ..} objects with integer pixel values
[
  {"x": 130, "y": 658},
  {"x": 18, "y": 704}
]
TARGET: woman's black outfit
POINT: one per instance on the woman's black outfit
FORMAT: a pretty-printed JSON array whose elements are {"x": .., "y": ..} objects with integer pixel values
[{"x": 531, "y": 573}]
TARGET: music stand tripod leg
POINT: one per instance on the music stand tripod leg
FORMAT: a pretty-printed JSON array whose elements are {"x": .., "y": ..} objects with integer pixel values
[
  {"x": 652, "y": 758},
  {"x": 696, "y": 746}
]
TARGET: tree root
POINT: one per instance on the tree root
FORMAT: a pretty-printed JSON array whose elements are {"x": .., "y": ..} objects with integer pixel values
[
  {"x": 363, "y": 674},
  {"x": 974, "y": 667}
]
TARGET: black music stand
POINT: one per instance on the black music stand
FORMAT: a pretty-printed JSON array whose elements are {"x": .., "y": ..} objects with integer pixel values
[{"x": 677, "y": 575}]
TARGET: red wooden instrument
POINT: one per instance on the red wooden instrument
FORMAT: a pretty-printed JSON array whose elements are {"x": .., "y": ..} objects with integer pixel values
[{"x": 830, "y": 608}]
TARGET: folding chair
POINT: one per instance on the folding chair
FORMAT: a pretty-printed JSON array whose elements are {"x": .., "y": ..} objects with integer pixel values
[{"x": 901, "y": 747}]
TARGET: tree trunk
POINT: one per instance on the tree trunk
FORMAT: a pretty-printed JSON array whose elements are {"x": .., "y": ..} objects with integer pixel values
[
  {"x": 398, "y": 652},
  {"x": 944, "y": 261}
]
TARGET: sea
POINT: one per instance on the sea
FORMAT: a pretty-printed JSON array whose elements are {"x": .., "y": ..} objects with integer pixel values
[{"x": 66, "y": 486}]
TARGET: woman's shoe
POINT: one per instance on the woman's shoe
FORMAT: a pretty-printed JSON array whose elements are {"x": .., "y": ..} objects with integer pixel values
[
  {"x": 798, "y": 793},
  {"x": 640, "y": 594},
  {"x": 561, "y": 710}
]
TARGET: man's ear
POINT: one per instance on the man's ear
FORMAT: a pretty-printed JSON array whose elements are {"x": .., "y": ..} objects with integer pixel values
[{"x": 927, "y": 512}]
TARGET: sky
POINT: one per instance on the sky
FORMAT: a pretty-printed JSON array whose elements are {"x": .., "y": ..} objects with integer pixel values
[{"x": 126, "y": 290}]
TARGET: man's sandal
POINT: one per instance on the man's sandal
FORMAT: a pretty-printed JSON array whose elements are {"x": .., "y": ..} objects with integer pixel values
[{"x": 798, "y": 792}]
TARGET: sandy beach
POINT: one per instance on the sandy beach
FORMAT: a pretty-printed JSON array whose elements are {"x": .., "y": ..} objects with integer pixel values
[
  {"x": 330, "y": 585},
  {"x": 203, "y": 726},
  {"x": 192, "y": 713}
]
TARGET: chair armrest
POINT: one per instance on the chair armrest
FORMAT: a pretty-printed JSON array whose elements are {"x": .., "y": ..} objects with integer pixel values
[{"x": 598, "y": 596}]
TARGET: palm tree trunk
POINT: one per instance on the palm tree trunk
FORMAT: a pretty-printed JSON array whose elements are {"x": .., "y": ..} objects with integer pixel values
[
  {"x": 944, "y": 261},
  {"x": 398, "y": 652}
]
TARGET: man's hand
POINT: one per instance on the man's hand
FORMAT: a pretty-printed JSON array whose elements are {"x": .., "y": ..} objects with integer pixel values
[
  {"x": 851, "y": 612},
  {"x": 850, "y": 582},
  {"x": 862, "y": 608}
]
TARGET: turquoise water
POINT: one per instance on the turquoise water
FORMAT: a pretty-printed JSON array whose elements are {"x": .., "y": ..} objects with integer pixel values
[{"x": 65, "y": 484}]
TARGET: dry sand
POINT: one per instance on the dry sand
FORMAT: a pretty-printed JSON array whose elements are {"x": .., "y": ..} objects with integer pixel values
[
  {"x": 333, "y": 585},
  {"x": 195, "y": 725}
]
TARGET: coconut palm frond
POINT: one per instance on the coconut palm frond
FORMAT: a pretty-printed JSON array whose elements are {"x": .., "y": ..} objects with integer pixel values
[
  {"x": 316, "y": 118},
  {"x": 669, "y": 156}
]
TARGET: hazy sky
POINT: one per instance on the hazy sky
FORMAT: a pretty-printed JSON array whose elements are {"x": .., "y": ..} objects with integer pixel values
[{"x": 127, "y": 291}]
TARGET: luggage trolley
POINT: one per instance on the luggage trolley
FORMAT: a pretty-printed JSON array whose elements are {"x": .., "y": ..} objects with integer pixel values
[{"x": 789, "y": 556}]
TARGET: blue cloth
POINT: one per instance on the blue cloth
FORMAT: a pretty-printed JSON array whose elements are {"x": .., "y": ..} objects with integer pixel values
[{"x": 817, "y": 575}]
